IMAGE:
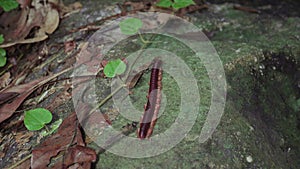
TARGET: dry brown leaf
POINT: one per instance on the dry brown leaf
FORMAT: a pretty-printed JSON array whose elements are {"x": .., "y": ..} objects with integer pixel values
[
  {"x": 79, "y": 155},
  {"x": 7, "y": 96},
  {"x": 41, "y": 14},
  {"x": 60, "y": 142},
  {"x": 20, "y": 93},
  {"x": 24, "y": 165},
  {"x": 5, "y": 80}
]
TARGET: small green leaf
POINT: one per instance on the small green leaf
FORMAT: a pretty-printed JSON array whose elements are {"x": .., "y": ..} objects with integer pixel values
[
  {"x": 164, "y": 3},
  {"x": 1, "y": 38},
  {"x": 36, "y": 119},
  {"x": 115, "y": 67},
  {"x": 8, "y": 5},
  {"x": 54, "y": 126},
  {"x": 182, "y": 3},
  {"x": 130, "y": 26},
  {"x": 2, "y": 57}
]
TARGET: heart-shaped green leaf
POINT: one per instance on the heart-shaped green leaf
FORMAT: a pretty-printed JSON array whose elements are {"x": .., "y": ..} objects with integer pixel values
[
  {"x": 114, "y": 67},
  {"x": 130, "y": 26},
  {"x": 2, "y": 57},
  {"x": 36, "y": 119},
  {"x": 8, "y": 5},
  {"x": 1, "y": 38},
  {"x": 182, "y": 3},
  {"x": 164, "y": 3}
]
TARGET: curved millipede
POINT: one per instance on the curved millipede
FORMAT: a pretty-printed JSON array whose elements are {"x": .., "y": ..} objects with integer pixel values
[{"x": 149, "y": 118}]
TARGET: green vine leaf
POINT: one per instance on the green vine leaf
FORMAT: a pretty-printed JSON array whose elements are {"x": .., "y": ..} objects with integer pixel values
[
  {"x": 36, "y": 119},
  {"x": 1, "y": 39},
  {"x": 8, "y": 5},
  {"x": 130, "y": 26},
  {"x": 182, "y": 4},
  {"x": 2, "y": 57},
  {"x": 114, "y": 67},
  {"x": 164, "y": 3}
]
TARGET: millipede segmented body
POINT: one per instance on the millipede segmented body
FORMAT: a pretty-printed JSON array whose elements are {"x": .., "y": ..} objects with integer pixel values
[{"x": 149, "y": 118}]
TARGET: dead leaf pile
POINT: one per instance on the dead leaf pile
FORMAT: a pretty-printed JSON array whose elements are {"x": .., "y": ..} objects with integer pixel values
[
  {"x": 38, "y": 17},
  {"x": 68, "y": 143}
]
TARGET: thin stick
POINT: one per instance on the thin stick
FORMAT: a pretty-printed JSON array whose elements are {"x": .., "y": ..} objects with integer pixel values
[
  {"x": 145, "y": 45},
  {"x": 20, "y": 162},
  {"x": 105, "y": 100},
  {"x": 11, "y": 65},
  {"x": 49, "y": 60}
]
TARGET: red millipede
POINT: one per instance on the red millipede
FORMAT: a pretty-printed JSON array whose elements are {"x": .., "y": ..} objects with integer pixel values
[{"x": 149, "y": 118}]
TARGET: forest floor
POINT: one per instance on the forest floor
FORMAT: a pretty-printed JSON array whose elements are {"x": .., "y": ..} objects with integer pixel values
[{"x": 257, "y": 44}]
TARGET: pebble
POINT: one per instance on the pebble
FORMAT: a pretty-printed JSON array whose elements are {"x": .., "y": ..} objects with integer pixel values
[{"x": 249, "y": 159}]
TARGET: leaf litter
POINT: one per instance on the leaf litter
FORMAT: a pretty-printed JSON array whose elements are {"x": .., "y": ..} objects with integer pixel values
[
  {"x": 41, "y": 17},
  {"x": 20, "y": 93},
  {"x": 69, "y": 142}
]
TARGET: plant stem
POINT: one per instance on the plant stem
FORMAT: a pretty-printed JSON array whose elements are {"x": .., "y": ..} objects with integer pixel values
[
  {"x": 105, "y": 100},
  {"x": 11, "y": 65},
  {"x": 47, "y": 129},
  {"x": 145, "y": 45},
  {"x": 20, "y": 162}
]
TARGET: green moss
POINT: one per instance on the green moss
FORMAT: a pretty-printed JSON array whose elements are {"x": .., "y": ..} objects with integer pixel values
[{"x": 260, "y": 119}]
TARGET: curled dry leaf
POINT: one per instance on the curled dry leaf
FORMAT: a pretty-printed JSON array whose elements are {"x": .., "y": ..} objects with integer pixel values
[{"x": 40, "y": 15}]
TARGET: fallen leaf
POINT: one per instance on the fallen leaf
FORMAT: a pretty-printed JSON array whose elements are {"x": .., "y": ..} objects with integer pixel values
[
  {"x": 96, "y": 120},
  {"x": 77, "y": 155},
  {"x": 60, "y": 142},
  {"x": 43, "y": 16},
  {"x": 24, "y": 165},
  {"x": 6, "y": 97},
  {"x": 20, "y": 93},
  {"x": 90, "y": 57}
]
